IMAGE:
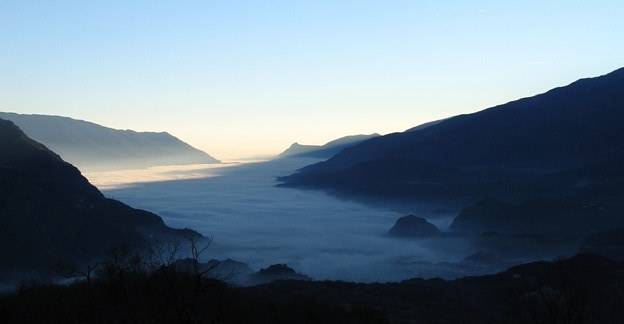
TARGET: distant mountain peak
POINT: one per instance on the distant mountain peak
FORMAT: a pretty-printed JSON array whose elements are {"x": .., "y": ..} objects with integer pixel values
[
  {"x": 326, "y": 150},
  {"x": 296, "y": 149}
]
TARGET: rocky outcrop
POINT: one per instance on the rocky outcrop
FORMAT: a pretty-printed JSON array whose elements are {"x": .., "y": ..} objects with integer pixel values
[
  {"x": 275, "y": 272},
  {"x": 413, "y": 227}
]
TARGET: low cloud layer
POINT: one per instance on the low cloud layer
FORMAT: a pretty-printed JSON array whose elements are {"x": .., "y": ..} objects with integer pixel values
[{"x": 253, "y": 221}]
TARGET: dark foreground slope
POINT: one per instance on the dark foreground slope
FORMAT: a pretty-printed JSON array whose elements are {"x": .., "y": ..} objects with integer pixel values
[
  {"x": 564, "y": 140},
  {"x": 51, "y": 214},
  {"x": 91, "y": 146},
  {"x": 583, "y": 289}
]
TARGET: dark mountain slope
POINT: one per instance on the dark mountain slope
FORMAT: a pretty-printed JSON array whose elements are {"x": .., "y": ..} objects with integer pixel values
[
  {"x": 553, "y": 217},
  {"x": 51, "y": 214},
  {"x": 91, "y": 146},
  {"x": 508, "y": 149},
  {"x": 327, "y": 150}
]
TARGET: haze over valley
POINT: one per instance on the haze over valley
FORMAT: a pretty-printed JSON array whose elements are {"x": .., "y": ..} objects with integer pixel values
[
  {"x": 436, "y": 201},
  {"x": 318, "y": 162},
  {"x": 265, "y": 212},
  {"x": 325, "y": 237}
]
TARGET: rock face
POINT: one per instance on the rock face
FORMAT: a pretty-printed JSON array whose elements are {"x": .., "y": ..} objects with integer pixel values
[
  {"x": 93, "y": 147},
  {"x": 50, "y": 214},
  {"x": 414, "y": 227}
]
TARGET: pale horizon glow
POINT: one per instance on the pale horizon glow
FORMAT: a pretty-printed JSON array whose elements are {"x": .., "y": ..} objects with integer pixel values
[{"x": 248, "y": 78}]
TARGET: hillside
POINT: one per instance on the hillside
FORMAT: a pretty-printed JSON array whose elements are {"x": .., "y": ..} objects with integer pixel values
[
  {"x": 585, "y": 289},
  {"x": 534, "y": 146},
  {"x": 50, "y": 214}
]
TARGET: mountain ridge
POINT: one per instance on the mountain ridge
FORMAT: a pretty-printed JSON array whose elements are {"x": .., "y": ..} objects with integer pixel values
[
  {"x": 95, "y": 147},
  {"x": 563, "y": 129}
]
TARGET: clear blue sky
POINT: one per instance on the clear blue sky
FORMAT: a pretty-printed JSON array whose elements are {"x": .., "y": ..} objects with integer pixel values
[{"x": 250, "y": 77}]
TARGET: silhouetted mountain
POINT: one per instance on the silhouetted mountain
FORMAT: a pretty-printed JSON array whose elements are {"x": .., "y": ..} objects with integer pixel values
[
  {"x": 275, "y": 272},
  {"x": 296, "y": 149},
  {"x": 51, "y": 214},
  {"x": 91, "y": 146},
  {"x": 327, "y": 150},
  {"x": 413, "y": 227},
  {"x": 563, "y": 141}
]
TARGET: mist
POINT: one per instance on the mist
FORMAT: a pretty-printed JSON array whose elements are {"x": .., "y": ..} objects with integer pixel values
[{"x": 253, "y": 221}]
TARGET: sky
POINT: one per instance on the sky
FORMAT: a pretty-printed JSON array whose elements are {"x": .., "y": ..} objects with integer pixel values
[{"x": 248, "y": 78}]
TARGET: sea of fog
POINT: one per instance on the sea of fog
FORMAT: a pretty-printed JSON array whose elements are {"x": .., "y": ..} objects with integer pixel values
[{"x": 253, "y": 221}]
